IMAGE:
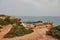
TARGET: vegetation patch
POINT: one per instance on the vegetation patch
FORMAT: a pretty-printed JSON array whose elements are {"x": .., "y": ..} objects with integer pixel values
[
  {"x": 17, "y": 30},
  {"x": 55, "y": 32},
  {"x": 3, "y": 22}
]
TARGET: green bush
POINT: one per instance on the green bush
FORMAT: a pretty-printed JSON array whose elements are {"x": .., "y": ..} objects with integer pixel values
[
  {"x": 2, "y": 22},
  {"x": 55, "y": 32},
  {"x": 10, "y": 21},
  {"x": 7, "y": 20},
  {"x": 28, "y": 31},
  {"x": 17, "y": 30}
]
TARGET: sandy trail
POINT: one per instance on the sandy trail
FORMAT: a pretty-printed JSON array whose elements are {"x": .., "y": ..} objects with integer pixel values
[
  {"x": 5, "y": 30},
  {"x": 36, "y": 35},
  {"x": 39, "y": 34}
]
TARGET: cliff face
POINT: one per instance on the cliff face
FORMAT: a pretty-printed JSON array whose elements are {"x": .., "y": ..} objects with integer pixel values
[{"x": 47, "y": 25}]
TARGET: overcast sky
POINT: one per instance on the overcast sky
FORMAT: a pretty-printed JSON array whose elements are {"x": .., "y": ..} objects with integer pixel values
[{"x": 30, "y": 7}]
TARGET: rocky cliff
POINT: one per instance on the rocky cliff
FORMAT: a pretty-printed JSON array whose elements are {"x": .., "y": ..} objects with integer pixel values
[{"x": 38, "y": 34}]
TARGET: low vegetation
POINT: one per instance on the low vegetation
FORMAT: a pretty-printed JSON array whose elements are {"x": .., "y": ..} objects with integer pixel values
[
  {"x": 3, "y": 22},
  {"x": 7, "y": 21},
  {"x": 55, "y": 32},
  {"x": 10, "y": 21},
  {"x": 16, "y": 30}
]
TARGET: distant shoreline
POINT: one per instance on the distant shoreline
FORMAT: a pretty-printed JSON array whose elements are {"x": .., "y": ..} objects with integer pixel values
[{"x": 54, "y": 19}]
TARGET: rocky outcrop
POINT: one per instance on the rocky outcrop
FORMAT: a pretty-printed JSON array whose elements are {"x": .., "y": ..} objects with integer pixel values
[
  {"x": 47, "y": 25},
  {"x": 12, "y": 17},
  {"x": 38, "y": 34}
]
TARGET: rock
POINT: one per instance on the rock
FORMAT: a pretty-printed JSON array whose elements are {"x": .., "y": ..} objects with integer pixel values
[{"x": 47, "y": 25}]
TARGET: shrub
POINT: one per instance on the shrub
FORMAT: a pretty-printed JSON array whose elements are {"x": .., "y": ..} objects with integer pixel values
[
  {"x": 10, "y": 21},
  {"x": 2, "y": 22},
  {"x": 55, "y": 32},
  {"x": 28, "y": 31},
  {"x": 17, "y": 30}
]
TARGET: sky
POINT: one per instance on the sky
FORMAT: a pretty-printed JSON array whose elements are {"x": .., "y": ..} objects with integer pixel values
[{"x": 30, "y": 7}]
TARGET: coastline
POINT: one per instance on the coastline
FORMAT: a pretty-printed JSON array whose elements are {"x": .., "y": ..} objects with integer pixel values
[{"x": 36, "y": 31}]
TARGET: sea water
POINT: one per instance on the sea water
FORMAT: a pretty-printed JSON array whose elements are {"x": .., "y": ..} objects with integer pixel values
[{"x": 54, "y": 19}]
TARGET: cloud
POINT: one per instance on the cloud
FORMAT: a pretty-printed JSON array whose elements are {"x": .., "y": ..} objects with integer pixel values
[
  {"x": 30, "y": 7},
  {"x": 49, "y": 4}
]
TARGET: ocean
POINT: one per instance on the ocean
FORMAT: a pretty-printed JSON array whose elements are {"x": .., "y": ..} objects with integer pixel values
[{"x": 54, "y": 19}]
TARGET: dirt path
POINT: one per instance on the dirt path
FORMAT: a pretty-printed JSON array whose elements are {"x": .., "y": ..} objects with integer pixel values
[
  {"x": 36, "y": 35},
  {"x": 5, "y": 30}
]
